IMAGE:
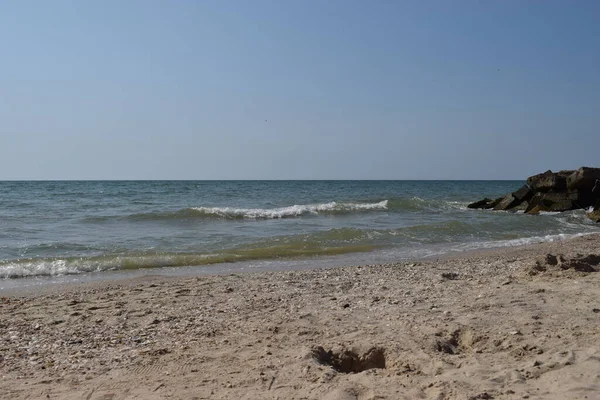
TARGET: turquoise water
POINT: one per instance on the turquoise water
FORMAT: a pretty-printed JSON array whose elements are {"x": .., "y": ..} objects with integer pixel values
[{"x": 71, "y": 227}]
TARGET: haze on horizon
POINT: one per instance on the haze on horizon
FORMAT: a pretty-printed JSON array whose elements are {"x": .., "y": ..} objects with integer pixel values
[{"x": 298, "y": 89}]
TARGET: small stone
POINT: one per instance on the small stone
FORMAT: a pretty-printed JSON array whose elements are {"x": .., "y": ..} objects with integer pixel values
[{"x": 450, "y": 276}]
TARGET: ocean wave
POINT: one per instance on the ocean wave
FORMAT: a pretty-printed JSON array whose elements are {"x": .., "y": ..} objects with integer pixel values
[
  {"x": 22, "y": 268},
  {"x": 326, "y": 243},
  {"x": 287, "y": 212},
  {"x": 411, "y": 204},
  {"x": 519, "y": 241},
  {"x": 418, "y": 204}
]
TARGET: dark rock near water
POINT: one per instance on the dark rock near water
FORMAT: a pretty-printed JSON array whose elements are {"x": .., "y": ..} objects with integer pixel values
[
  {"x": 584, "y": 178},
  {"x": 550, "y": 202},
  {"x": 482, "y": 204},
  {"x": 548, "y": 181},
  {"x": 595, "y": 215},
  {"x": 523, "y": 194},
  {"x": 552, "y": 192},
  {"x": 506, "y": 203},
  {"x": 521, "y": 207}
]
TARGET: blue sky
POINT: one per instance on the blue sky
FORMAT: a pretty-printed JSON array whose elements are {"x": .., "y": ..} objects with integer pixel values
[{"x": 298, "y": 89}]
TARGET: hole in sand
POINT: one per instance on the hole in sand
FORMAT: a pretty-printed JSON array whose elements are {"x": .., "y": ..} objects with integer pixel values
[
  {"x": 583, "y": 263},
  {"x": 349, "y": 361},
  {"x": 456, "y": 342}
]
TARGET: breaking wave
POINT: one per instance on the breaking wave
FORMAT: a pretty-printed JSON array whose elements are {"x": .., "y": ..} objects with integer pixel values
[
  {"x": 412, "y": 204},
  {"x": 250, "y": 213},
  {"x": 291, "y": 211},
  {"x": 329, "y": 243}
]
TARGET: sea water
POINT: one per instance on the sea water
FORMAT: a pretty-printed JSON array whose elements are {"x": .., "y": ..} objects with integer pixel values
[{"x": 58, "y": 228}]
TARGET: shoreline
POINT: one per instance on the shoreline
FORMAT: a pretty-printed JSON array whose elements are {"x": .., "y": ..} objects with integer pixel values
[
  {"x": 42, "y": 285},
  {"x": 497, "y": 323}
]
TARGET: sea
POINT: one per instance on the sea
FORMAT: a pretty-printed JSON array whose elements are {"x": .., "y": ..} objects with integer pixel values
[{"x": 57, "y": 231}]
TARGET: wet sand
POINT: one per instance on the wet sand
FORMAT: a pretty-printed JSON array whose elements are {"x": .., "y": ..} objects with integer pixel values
[{"x": 508, "y": 323}]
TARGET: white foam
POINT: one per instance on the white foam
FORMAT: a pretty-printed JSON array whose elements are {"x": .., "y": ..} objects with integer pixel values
[
  {"x": 519, "y": 242},
  {"x": 291, "y": 211},
  {"x": 47, "y": 268}
]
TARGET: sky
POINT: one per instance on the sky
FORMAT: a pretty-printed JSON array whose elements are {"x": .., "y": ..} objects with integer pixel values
[{"x": 144, "y": 89}]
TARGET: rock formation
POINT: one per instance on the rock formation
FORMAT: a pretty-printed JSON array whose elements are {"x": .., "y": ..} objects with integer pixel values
[{"x": 552, "y": 191}]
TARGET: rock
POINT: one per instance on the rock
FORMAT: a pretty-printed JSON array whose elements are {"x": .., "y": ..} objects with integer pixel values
[
  {"x": 563, "y": 205},
  {"x": 550, "y": 202},
  {"x": 482, "y": 204},
  {"x": 450, "y": 276},
  {"x": 584, "y": 198},
  {"x": 534, "y": 181},
  {"x": 552, "y": 192},
  {"x": 585, "y": 178},
  {"x": 535, "y": 210},
  {"x": 506, "y": 203},
  {"x": 523, "y": 193},
  {"x": 481, "y": 396},
  {"x": 520, "y": 207},
  {"x": 558, "y": 203},
  {"x": 521, "y": 199},
  {"x": 595, "y": 214},
  {"x": 535, "y": 204},
  {"x": 548, "y": 181}
]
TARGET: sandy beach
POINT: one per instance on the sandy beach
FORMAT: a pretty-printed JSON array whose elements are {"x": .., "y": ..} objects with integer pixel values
[{"x": 509, "y": 323}]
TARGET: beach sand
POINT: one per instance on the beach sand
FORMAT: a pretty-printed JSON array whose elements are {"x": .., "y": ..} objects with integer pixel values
[{"x": 508, "y": 323}]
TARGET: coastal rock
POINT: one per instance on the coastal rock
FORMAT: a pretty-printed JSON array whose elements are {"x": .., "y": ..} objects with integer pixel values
[
  {"x": 595, "y": 214},
  {"x": 506, "y": 203},
  {"x": 520, "y": 207},
  {"x": 539, "y": 181},
  {"x": 582, "y": 198},
  {"x": 549, "y": 181},
  {"x": 535, "y": 204},
  {"x": 552, "y": 192},
  {"x": 585, "y": 179},
  {"x": 521, "y": 197},
  {"x": 523, "y": 193},
  {"x": 558, "y": 201},
  {"x": 484, "y": 204},
  {"x": 550, "y": 202}
]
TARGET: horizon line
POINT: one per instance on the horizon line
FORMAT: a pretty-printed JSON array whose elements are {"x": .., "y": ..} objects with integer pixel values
[{"x": 250, "y": 180}]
